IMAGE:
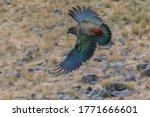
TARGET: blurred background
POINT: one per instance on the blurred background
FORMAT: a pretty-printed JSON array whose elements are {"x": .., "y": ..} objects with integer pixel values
[{"x": 33, "y": 39}]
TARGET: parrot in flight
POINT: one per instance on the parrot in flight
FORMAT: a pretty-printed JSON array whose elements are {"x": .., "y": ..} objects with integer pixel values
[{"x": 90, "y": 32}]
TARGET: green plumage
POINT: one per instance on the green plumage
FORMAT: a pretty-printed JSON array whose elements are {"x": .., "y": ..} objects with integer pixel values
[
  {"x": 83, "y": 50},
  {"x": 89, "y": 31}
]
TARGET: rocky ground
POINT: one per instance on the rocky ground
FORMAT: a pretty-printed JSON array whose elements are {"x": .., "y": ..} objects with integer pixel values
[{"x": 33, "y": 39}]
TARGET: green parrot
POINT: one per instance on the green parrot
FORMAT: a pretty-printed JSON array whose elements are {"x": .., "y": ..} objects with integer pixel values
[{"x": 90, "y": 31}]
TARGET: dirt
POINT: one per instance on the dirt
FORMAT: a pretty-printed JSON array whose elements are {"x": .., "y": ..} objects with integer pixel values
[{"x": 33, "y": 39}]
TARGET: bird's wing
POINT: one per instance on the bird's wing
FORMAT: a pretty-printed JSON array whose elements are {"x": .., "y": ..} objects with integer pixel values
[
  {"x": 105, "y": 38},
  {"x": 85, "y": 14},
  {"x": 82, "y": 15},
  {"x": 83, "y": 51}
]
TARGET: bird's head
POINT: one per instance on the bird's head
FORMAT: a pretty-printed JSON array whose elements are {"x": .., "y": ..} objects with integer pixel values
[{"x": 72, "y": 30}]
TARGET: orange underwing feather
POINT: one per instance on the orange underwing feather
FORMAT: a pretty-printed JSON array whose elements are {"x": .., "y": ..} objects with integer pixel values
[{"x": 97, "y": 31}]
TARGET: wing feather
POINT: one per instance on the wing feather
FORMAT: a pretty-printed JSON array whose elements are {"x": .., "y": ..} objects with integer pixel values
[
  {"x": 85, "y": 14},
  {"x": 105, "y": 38},
  {"x": 76, "y": 58}
]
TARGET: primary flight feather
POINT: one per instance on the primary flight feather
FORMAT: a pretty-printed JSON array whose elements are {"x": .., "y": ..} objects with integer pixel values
[{"x": 90, "y": 31}]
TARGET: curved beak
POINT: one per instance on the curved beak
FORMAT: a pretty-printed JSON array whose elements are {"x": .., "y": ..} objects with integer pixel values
[{"x": 71, "y": 30}]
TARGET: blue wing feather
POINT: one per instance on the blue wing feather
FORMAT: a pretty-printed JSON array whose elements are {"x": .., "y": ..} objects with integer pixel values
[
  {"x": 89, "y": 15},
  {"x": 76, "y": 58},
  {"x": 84, "y": 14}
]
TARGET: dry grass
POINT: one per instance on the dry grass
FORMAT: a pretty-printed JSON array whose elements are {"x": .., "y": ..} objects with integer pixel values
[{"x": 127, "y": 18}]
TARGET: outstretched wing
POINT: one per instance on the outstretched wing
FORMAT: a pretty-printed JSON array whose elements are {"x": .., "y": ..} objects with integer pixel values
[
  {"x": 105, "y": 38},
  {"x": 85, "y": 14},
  {"x": 82, "y": 52},
  {"x": 89, "y": 15}
]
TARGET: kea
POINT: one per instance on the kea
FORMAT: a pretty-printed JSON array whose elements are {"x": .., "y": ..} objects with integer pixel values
[{"x": 90, "y": 32}]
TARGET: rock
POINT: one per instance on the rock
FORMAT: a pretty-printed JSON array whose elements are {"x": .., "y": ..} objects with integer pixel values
[
  {"x": 65, "y": 91},
  {"x": 45, "y": 97},
  {"x": 146, "y": 72},
  {"x": 58, "y": 12},
  {"x": 108, "y": 74},
  {"x": 117, "y": 89},
  {"x": 138, "y": 57},
  {"x": 33, "y": 95},
  {"x": 38, "y": 31},
  {"x": 76, "y": 98},
  {"x": 10, "y": 72},
  {"x": 51, "y": 27},
  {"x": 100, "y": 59},
  {"x": 144, "y": 69},
  {"x": 37, "y": 66},
  {"x": 32, "y": 50},
  {"x": 105, "y": 65},
  {"x": 130, "y": 76},
  {"x": 28, "y": 55},
  {"x": 67, "y": 97},
  {"x": 121, "y": 93},
  {"x": 102, "y": 92},
  {"x": 60, "y": 95},
  {"x": 111, "y": 43},
  {"x": 17, "y": 73},
  {"x": 96, "y": 97},
  {"x": 99, "y": 4},
  {"x": 20, "y": 7},
  {"x": 99, "y": 98},
  {"x": 62, "y": 24},
  {"x": 18, "y": 19},
  {"x": 125, "y": 52},
  {"x": 117, "y": 67},
  {"x": 90, "y": 92},
  {"x": 76, "y": 87},
  {"x": 141, "y": 67},
  {"x": 122, "y": 40},
  {"x": 108, "y": 45},
  {"x": 20, "y": 98},
  {"x": 8, "y": 1},
  {"x": 90, "y": 78},
  {"x": 121, "y": 98},
  {"x": 31, "y": 70}
]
